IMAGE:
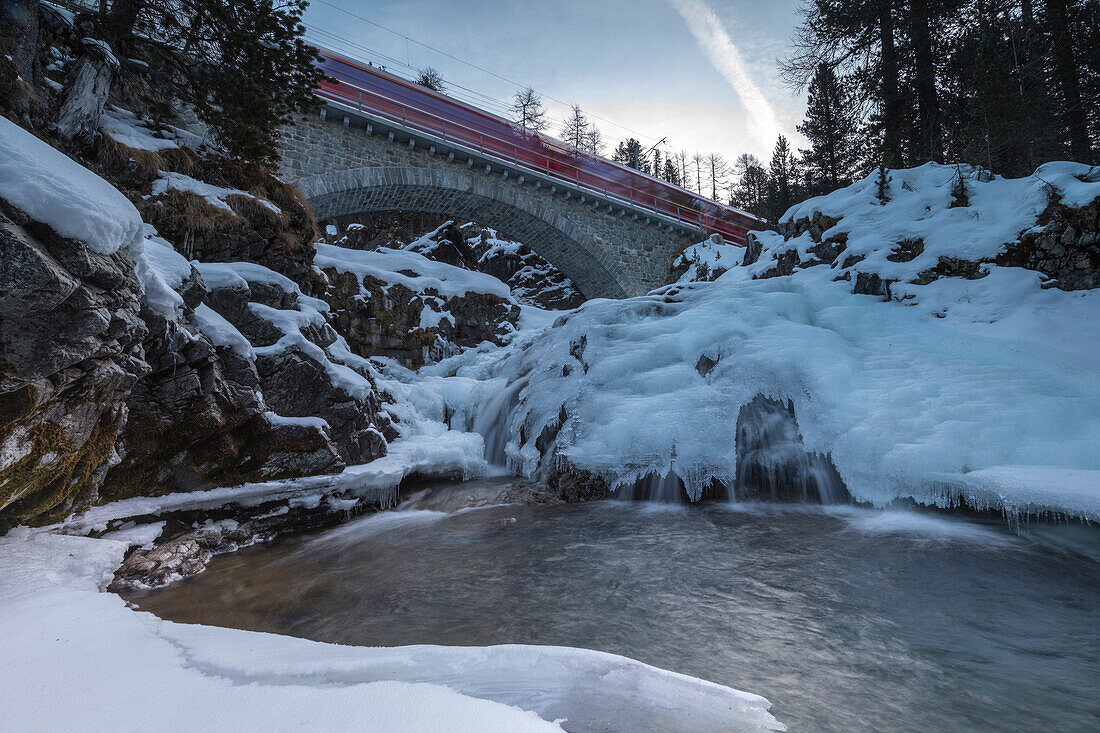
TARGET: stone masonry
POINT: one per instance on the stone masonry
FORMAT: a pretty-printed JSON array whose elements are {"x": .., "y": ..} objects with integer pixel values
[{"x": 347, "y": 167}]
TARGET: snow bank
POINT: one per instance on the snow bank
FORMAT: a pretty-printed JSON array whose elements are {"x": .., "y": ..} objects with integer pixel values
[
  {"x": 79, "y": 659},
  {"x": 123, "y": 126},
  {"x": 412, "y": 270},
  {"x": 919, "y": 208},
  {"x": 51, "y": 188},
  {"x": 899, "y": 396}
]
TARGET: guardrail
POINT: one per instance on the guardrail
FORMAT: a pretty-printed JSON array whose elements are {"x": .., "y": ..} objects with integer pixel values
[{"x": 366, "y": 100}]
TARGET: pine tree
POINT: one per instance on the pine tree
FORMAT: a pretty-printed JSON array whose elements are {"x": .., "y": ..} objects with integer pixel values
[
  {"x": 681, "y": 161},
  {"x": 671, "y": 172},
  {"x": 243, "y": 66},
  {"x": 782, "y": 180},
  {"x": 528, "y": 110},
  {"x": 750, "y": 192},
  {"x": 830, "y": 126},
  {"x": 1067, "y": 76},
  {"x": 629, "y": 153}
]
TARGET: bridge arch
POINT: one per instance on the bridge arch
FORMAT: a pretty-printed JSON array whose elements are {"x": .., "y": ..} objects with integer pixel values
[{"x": 465, "y": 195}]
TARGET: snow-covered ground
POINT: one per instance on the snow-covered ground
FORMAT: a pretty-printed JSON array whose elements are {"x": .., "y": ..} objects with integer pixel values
[{"x": 76, "y": 658}]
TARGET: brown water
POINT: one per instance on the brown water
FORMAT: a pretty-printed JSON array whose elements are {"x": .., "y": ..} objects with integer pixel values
[{"x": 846, "y": 619}]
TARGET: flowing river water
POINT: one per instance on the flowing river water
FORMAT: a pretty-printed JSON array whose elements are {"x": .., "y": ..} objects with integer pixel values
[{"x": 847, "y": 619}]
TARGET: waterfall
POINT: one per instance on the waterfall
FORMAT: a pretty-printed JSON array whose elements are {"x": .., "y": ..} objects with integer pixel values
[
  {"x": 493, "y": 421},
  {"x": 772, "y": 462},
  {"x": 667, "y": 489}
]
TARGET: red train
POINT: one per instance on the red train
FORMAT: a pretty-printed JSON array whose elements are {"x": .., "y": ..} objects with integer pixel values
[{"x": 372, "y": 90}]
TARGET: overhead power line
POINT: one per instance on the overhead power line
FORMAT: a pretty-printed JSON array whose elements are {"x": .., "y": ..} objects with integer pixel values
[{"x": 518, "y": 85}]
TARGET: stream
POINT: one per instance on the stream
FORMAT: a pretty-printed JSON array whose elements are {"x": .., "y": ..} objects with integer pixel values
[{"x": 845, "y": 618}]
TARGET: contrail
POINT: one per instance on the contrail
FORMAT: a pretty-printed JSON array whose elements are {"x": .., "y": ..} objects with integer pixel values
[{"x": 726, "y": 58}]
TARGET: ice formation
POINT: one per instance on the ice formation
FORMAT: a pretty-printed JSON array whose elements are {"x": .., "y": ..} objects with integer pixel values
[{"x": 973, "y": 389}]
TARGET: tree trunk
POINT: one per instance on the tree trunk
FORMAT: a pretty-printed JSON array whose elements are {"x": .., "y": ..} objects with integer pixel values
[
  {"x": 892, "y": 110},
  {"x": 85, "y": 97},
  {"x": 1068, "y": 79},
  {"x": 931, "y": 130}
]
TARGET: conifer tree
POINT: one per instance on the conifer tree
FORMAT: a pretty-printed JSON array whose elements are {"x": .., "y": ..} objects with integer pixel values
[
  {"x": 671, "y": 172},
  {"x": 782, "y": 180},
  {"x": 750, "y": 192},
  {"x": 629, "y": 153},
  {"x": 244, "y": 65},
  {"x": 830, "y": 126}
]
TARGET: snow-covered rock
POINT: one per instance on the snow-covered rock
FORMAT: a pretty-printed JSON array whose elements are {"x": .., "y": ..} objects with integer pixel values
[
  {"x": 70, "y": 331},
  {"x": 402, "y": 305},
  {"x": 306, "y": 369},
  {"x": 532, "y": 279},
  {"x": 51, "y": 188},
  {"x": 892, "y": 237}
]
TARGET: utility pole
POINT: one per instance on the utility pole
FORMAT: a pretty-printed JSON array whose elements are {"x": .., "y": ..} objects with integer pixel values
[{"x": 646, "y": 155}]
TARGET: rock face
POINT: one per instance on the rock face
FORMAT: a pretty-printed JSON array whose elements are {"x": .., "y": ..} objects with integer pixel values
[
  {"x": 1067, "y": 249},
  {"x": 70, "y": 351},
  {"x": 298, "y": 378},
  {"x": 414, "y": 325},
  {"x": 198, "y": 421},
  {"x": 278, "y": 238}
]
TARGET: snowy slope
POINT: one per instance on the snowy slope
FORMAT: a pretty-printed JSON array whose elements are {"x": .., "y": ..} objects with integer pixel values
[
  {"x": 931, "y": 214},
  {"x": 986, "y": 389}
]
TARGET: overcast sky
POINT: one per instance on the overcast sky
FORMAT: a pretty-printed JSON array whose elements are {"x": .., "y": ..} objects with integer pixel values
[{"x": 701, "y": 72}]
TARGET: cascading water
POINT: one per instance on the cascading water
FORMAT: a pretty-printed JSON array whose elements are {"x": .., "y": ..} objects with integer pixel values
[
  {"x": 666, "y": 489},
  {"x": 773, "y": 463},
  {"x": 493, "y": 419}
]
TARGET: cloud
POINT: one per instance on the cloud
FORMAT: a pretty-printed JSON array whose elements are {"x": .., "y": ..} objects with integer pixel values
[{"x": 726, "y": 58}]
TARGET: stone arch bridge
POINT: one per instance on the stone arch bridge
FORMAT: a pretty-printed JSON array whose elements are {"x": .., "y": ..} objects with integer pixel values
[
  {"x": 346, "y": 169},
  {"x": 380, "y": 151}
]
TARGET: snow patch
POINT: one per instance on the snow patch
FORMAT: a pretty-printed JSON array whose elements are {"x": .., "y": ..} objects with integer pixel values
[
  {"x": 49, "y": 187},
  {"x": 214, "y": 195},
  {"x": 412, "y": 270}
]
